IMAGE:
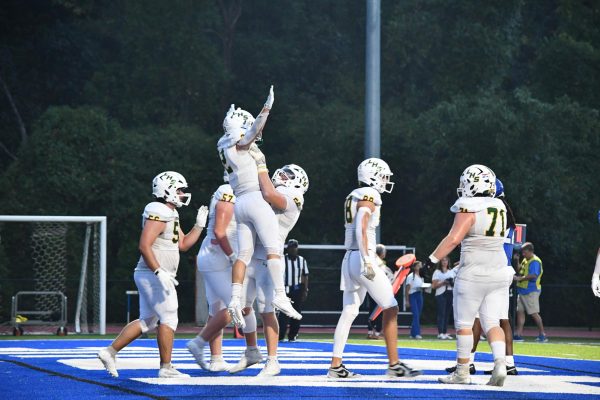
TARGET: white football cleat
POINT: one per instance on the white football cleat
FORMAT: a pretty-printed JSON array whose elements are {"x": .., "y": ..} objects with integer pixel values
[
  {"x": 171, "y": 372},
  {"x": 460, "y": 376},
  {"x": 197, "y": 351},
  {"x": 498, "y": 374},
  {"x": 284, "y": 304},
  {"x": 250, "y": 357},
  {"x": 109, "y": 361},
  {"x": 219, "y": 366},
  {"x": 271, "y": 368},
  {"x": 235, "y": 312}
]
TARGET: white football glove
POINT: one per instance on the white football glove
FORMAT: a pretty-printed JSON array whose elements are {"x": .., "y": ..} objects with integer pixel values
[
  {"x": 167, "y": 281},
  {"x": 367, "y": 270},
  {"x": 259, "y": 158},
  {"x": 201, "y": 217},
  {"x": 270, "y": 99},
  {"x": 596, "y": 284}
]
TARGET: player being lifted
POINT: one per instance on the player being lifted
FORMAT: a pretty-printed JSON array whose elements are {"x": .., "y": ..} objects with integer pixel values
[
  {"x": 160, "y": 243},
  {"x": 359, "y": 273},
  {"x": 215, "y": 267},
  {"x": 253, "y": 214},
  {"x": 285, "y": 192},
  {"x": 481, "y": 283}
]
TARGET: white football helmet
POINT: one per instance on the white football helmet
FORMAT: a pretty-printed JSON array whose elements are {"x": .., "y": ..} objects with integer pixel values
[
  {"x": 376, "y": 173},
  {"x": 236, "y": 123},
  {"x": 292, "y": 176},
  {"x": 477, "y": 180},
  {"x": 165, "y": 186}
]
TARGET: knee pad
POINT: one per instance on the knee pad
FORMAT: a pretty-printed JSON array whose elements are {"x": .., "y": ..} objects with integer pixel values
[
  {"x": 245, "y": 255},
  {"x": 171, "y": 321},
  {"x": 148, "y": 324},
  {"x": 351, "y": 311},
  {"x": 250, "y": 321},
  {"x": 487, "y": 324}
]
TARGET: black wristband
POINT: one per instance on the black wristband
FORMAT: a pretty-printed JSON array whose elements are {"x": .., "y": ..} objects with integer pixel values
[{"x": 157, "y": 271}]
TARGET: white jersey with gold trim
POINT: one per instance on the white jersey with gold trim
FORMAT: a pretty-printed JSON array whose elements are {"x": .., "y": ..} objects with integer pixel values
[
  {"x": 242, "y": 170},
  {"x": 166, "y": 245},
  {"x": 350, "y": 210},
  {"x": 482, "y": 256}
]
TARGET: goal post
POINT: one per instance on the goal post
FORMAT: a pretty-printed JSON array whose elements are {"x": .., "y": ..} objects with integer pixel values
[{"x": 51, "y": 231}]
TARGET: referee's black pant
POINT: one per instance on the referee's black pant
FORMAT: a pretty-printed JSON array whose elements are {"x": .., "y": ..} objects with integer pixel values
[{"x": 296, "y": 296}]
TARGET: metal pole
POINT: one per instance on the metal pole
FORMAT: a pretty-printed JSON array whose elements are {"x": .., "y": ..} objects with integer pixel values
[
  {"x": 373, "y": 83},
  {"x": 373, "y": 67}
]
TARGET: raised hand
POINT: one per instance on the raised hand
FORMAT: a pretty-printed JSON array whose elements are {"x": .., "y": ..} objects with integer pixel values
[
  {"x": 270, "y": 99},
  {"x": 201, "y": 217}
]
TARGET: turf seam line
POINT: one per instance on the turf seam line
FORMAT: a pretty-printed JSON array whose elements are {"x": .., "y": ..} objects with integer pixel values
[{"x": 83, "y": 380}]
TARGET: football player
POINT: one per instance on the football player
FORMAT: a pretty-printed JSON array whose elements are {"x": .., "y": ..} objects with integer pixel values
[
  {"x": 160, "y": 243},
  {"x": 596, "y": 274},
  {"x": 215, "y": 258},
  {"x": 511, "y": 369},
  {"x": 285, "y": 192},
  {"x": 254, "y": 215},
  {"x": 481, "y": 283},
  {"x": 359, "y": 271}
]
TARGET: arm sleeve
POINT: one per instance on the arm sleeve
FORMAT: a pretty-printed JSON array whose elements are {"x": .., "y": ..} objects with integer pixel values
[
  {"x": 358, "y": 230},
  {"x": 597, "y": 269},
  {"x": 255, "y": 129}
]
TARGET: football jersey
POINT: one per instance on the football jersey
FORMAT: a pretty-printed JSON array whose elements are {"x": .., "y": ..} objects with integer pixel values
[
  {"x": 287, "y": 217},
  {"x": 166, "y": 245},
  {"x": 241, "y": 167},
  {"x": 223, "y": 193},
  {"x": 350, "y": 210},
  {"x": 482, "y": 249}
]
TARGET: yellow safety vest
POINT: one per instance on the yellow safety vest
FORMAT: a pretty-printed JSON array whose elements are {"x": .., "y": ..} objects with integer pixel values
[{"x": 524, "y": 271}]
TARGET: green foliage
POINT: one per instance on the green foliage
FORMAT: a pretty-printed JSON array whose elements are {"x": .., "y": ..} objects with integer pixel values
[{"x": 113, "y": 93}]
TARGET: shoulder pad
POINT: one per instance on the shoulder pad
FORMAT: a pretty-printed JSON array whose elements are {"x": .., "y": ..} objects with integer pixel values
[
  {"x": 367, "y": 194},
  {"x": 158, "y": 212},
  {"x": 292, "y": 193},
  {"x": 472, "y": 204},
  {"x": 225, "y": 142},
  {"x": 224, "y": 193}
]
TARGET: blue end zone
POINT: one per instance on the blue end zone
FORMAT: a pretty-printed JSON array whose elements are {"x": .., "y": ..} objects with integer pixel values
[{"x": 69, "y": 369}]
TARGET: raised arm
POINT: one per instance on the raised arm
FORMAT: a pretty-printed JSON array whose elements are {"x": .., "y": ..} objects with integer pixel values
[{"x": 259, "y": 123}]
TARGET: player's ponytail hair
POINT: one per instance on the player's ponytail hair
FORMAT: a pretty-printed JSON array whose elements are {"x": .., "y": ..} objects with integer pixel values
[{"x": 510, "y": 217}]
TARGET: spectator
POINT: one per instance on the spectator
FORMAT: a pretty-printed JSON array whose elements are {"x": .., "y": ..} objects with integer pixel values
[
  {"x": 296, "y": 286},
  {"x": 375, "y": 326},
  {"x": 529, "y": 288},
  {"x": 414, "y": 294},
  {"x": 443, "y": 283}
]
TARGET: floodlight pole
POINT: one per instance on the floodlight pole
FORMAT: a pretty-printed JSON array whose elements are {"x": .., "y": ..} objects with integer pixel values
[{"x": 373, "y": 83}]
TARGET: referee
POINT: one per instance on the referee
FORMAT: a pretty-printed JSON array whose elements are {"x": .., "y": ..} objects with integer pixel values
[{"x": 296, "y": 286}]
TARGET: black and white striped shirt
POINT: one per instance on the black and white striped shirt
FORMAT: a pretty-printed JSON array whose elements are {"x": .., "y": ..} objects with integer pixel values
[{"x": 294, "y": 270}]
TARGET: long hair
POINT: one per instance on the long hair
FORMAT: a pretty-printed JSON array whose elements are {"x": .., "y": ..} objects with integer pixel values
[{"x": 510, "y": 217}]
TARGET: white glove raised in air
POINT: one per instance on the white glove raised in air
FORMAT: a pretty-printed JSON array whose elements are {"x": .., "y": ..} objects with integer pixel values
[
  {"x": 201, "y": 217},
  {"x": 596, "y": 284},
  {"x": 167, "y": 281},
  {"x": 270, "y": 99},
  {"x": 259, "y": 158}
]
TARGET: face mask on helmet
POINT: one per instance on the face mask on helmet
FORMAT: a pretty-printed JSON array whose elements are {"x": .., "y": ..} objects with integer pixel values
[
  {"x": 237, "y": 122},
  {"x": 477, "y": 181},
  {"x": 166, "y": 185},
  {"x": 292, "y": 176},
  {"x": 376, "y": 173}
]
